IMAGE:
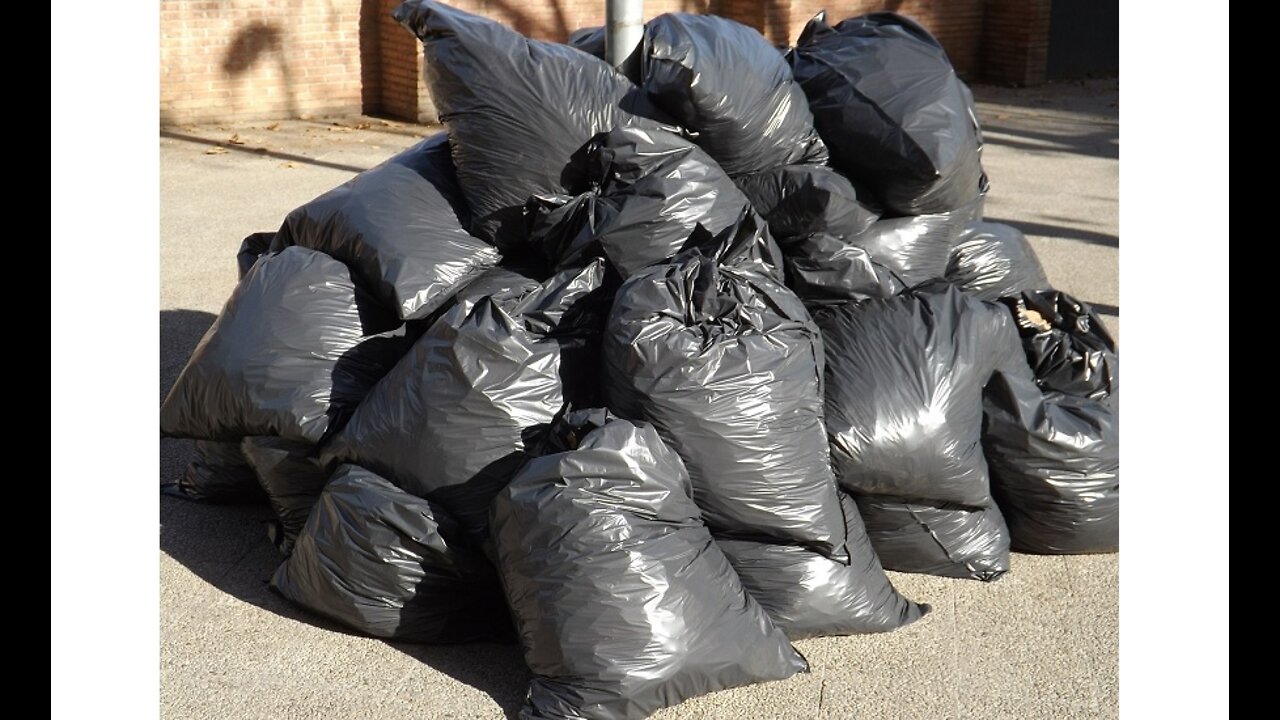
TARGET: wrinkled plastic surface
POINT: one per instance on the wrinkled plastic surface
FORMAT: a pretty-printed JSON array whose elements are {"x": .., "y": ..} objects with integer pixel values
[
  {"x": 727, "y": 365},
  {"x": 292, "y": 476},
  {"x": 378, "y": 561},
  {"x": 453, "y": 419},
  {"x": 286, "y": 357},
  {"x": 623, "y": 602},
  {"x": 252, "y": 248},
  {"x": 399, "y": 226},
  {"x": 992, "y": 261},
  {"x": 891, "y": 111},
  {"x": 726, "y": 83},
  {"x": 1066, "y": 344},
  {"x": 917, "y": 248},
  {"x": 801, "y": 200},
  {"x": 941, "y": 539},
  {"x": 217, "y": 473},
  {"x": 517, "y": 111},
  {"x": 808, "y": 595},
  {"x": 904, "y": 380},
  {"x": 1055, "y": 467}
]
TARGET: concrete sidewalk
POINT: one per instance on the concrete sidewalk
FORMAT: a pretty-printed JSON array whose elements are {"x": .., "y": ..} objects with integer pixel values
[{"x": 1040, "y": 643}]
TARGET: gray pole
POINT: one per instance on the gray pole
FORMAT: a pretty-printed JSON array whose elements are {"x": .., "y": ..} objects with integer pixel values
[{"x": 623, "y": 27}]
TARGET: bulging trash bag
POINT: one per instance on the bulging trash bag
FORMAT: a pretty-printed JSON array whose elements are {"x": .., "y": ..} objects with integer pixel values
[
  {"x": 381, "y": 562},
  {"x": 217, "y": 473},
  {"x": 726, "y": 83},
  {"x": 252, "y": 248},
  {"x": 399, "y": 226},
  {"x": 1055, "y": 467},
  {"x": 727, "y": 365},
  {"x": 992, "y": 261},
  {"x": 290, "y": 355},
  {"x": 589, "y": 40},
  {"x": 517, "y": 111},
  {"x": 808, "y": 595},
  {"x": 934, "y": 538},
  {"x": 453, "y": 420},
  {"x": 1066, "y": 343},
  {"x": 891, "y": 110},
  {"x": 904, "y": 380},
  {"x": 801, "y": 200},
  {"x": 622, "y": 600},
  {"x": 915, "y": 249},
  {"x": 292, "y": 476},
  {"x": 654, "y": 188}
]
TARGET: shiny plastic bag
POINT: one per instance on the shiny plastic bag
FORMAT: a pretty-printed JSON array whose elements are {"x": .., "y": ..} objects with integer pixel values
[
  {"x": 252, "y": 248},
  {"x": 1066, "y": 343},
  {"x": 399, "y": 226},
  {"x": 623, "y": 602},
  {"x": 727, "y": 365},
  {"x": 453, "y": 420},
  {"x": 904, "y": 380},
  {"x": 808, "y": 595},
  {"x": 217, "y": 473},
  {"x": 517, "y": 111},
  {"x": 891, "y": 111},
  {"x": 724, "y": 82},
  {"x": 992, "y": 261},
  {"x": 381, "y": 562},
  {"x": 292, "y": 476}
]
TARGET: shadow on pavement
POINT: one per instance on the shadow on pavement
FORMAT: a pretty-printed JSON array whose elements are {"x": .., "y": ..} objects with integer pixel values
[
  {"x": 1060, "y": 231},
  {"x": 227, "y": 547}
]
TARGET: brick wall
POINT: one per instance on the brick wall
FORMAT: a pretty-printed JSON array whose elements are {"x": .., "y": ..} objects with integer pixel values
[{"x": 248, "y": 59}]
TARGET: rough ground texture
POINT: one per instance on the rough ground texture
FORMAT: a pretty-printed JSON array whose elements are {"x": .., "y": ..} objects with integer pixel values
[{"x": 1040, "y": 643}]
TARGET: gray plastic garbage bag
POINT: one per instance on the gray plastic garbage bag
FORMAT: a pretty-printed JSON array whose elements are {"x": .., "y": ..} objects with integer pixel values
[
  {"x": 453, "y": 420},
  {"x": 623, "y": 602},
  {"x": 934, "y": 538},
  {"x": 1055, "y": 467},
  {"x": 891, "y": 111},
  {"x": 289, "y": 356},
  {"x": 517, "y": 111},
  {"x": 252, "y": 248},
  {"x": 727, "y": 365},
  {"x": 904, "y": 380},
  {"x": 399, "y": 226},
  {"x": 379, "y": 561},
  {"x": 801, "y": 200},
  {"x": 992, "y": 261},
  {"x": 724, "y": 82},
  {"x": 808, "y": 595},
  {"x": 217, "y": 473},
  {"x": 292, "y": 476},
  {"x": 1066, "y": 343}
]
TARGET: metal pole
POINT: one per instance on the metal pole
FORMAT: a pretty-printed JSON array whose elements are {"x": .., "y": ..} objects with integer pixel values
[{"x": 623, "y": 28}]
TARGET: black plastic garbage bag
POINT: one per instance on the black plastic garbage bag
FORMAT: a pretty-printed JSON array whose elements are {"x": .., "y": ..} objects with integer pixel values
[
  {"x": 801, "y": 200},
  {"x": 1055, "y": 467},
  {"x": 589, "y": 40},
  {"x": 292, "y": 476},
  {"x": 517, "y": 111},
  {"x": 379, "y": 561},
  {"x": 726, "y": 83},
  {"x": 992, "y": 261},
  {"x": 916, "y": 249},
  {"x": 727, "y": 364},
  {"x": 287, "y": 357},
  {"x": 622, "y": 600},
  {"x": 941, "y": 539},
  {"x": 453, "y": 420},
  {"x": 891, "y": 110},
  {"x": 904, "y": 380},
  {"x": 217, "y": 473},
  {"x": 399, "y": 226},
  {"x": 1066, "y": 343},
  {"x": 252, "y": 248},
  {"x": 808, "y": 595}
]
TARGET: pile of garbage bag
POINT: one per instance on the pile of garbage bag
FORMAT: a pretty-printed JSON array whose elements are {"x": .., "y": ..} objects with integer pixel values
[{"x": 657, "y": 369}]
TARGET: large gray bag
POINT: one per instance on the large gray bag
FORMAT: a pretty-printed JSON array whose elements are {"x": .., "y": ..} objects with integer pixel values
[
  {"x": 623, "y": 602},
  {"x": 289, "y": 356},
  {"x": 992, "y": 261},
  {"x": 217, "y": 473},
  {"x": 292, "y": 476},
  {"x": 400, "y": 228},
  {"x": 808, "y": 595},
  {"x": 904, "y": 380},
  {"x": 382, "y": 562},
  {"x": 517, "y": 110},
  {"x": 892, "y": 112},
  {"x": 726, "y": 83},
  {"x": 727, "y": 364},
  {"x": 453, "y": 419}
]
